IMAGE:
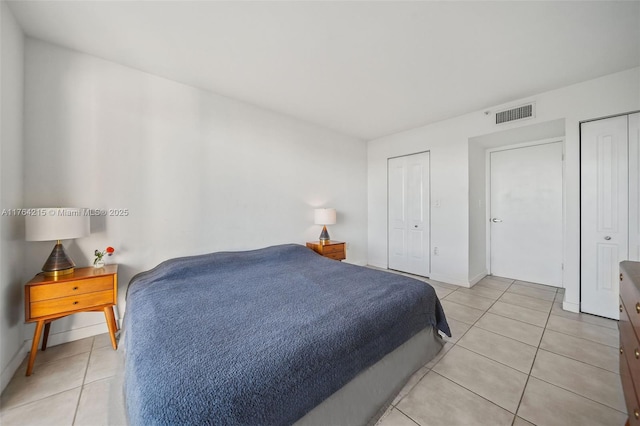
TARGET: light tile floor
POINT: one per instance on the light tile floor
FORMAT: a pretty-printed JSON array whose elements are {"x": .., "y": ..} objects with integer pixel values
[
  {"x": 69, "y": 386},
  {"x": 515, "y": 358}
]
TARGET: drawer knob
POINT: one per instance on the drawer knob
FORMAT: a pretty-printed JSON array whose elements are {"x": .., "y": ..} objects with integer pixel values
[
  {"x": 75, "y": 303},
  {"x": 636, "y": 413},
  {"x": 621, "y": 351},
  {"x": 75, "y": 288},
  {"x": 638, "y": 308},
  {"x": 620, "y": 276},
  {"x": 620, "y": 308},
  {"x": 637, "y": 353}
]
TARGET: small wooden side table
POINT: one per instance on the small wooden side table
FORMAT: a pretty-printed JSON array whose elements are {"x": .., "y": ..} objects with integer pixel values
[
  {"x": 85, "y": 290},
  {"x": 331, "y": 249}
]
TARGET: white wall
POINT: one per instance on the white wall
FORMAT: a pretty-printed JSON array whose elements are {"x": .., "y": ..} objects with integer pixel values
[
  {"x": 197, "y": 171},
  {"x": 11, "y": 196},
  {"x": 449, "y": 186},
  {"x": 448, "y": 142}
]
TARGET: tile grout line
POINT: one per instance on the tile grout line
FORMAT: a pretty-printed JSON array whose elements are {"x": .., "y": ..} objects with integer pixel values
[
  {"x": 577, "y": 394},
  {"x": 452, "y": 343},
  {"x": 515, "y": 415},
  {"x": 538, "y": 347},
  {"x": 84, "y": 378},
  {"x": 509, "y": 337},
  {"x": 583, "y": 322},
  {"x": 2, "y": 408},
  {"x": 535, "y": 356},
  {"x": 532, "y": 297},
  {"x": 560, "y": 315},
  {"x": 473, "y": 392},
  {"x": 578, "y": 360},
  {"x": 468, "y": 390},
  {"x": 474, "y": 323},
  {"x": 515, "y": 319},
  {"x": 578, "y": 337},
  {"x": 407, "y": 416},
  {"x": 470, "y": 327},
  {"x": 491, "y": 359}
]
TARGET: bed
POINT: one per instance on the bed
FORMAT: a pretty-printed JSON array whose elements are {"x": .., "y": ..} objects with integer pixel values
[{"x": 274, "y": 336}]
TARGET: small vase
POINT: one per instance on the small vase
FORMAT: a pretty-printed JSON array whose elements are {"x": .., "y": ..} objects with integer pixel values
[{"x": 98, "y": 264}]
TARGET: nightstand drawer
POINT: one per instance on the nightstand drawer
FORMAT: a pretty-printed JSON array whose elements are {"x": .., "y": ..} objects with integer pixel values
[
  {"x": 336, "y": 256},
  {"x": 70, "y": 288},
  {"x": 72, "y": 303},
  {"x": 331, "y": 249},
  {"x": 335, "y": 248}
]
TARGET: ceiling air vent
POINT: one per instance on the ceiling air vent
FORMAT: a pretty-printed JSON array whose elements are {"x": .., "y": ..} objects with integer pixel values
[{"x": 519, "y": 113}]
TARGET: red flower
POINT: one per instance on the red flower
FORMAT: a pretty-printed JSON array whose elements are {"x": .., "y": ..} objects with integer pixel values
[{"x": 110, "y": 250}]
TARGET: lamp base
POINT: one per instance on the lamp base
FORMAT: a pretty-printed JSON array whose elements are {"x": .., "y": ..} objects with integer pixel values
[
  {"x": 324, "y": 236},
  {"x": 58, "y": 263},
  {"x": 58, "y": 273}
]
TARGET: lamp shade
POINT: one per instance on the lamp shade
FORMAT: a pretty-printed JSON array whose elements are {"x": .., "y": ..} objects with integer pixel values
[
  {"x": 60, "y": 223},
  {"x": 325, "y": 216}
]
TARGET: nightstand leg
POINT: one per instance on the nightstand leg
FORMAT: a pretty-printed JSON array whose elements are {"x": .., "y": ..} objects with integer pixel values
[
  {"x": 47, "y": 326},
  {"x": 34, "y": 347},
  {"x": 111, "y": 323}
]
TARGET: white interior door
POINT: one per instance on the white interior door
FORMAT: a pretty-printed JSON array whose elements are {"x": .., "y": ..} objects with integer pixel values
[
  {"x": 604, "y": 213},
  {"x": 408, "y": 198},
  {"x": 526, "y": 213},
  {"x": 634, "y": 187}
]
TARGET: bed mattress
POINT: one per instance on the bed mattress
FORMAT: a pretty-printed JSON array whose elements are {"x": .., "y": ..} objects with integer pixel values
[{"x": 260, "y": 337}]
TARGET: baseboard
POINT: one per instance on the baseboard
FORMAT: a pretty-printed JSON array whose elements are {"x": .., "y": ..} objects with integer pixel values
[
  {"x": 377, "y": 265},
  {"x": 75, "y": 334},
  {"x": 473, "y": 281},
  {"x": 571, "y": 307},
  {"x": 12, "y": 367},
  {"x": 355, "y": 262},
  {"x": 437, "y": 277},
  {"x": 450, "y": 280}
]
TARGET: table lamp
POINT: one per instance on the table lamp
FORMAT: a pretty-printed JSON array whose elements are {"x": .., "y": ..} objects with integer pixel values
[
  {"x": 325, "y": 217},
  {"x": 58, "y": 224}
]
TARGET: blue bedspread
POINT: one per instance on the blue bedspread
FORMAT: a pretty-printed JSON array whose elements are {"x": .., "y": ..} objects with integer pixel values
[{"x": 260, "y": 337}]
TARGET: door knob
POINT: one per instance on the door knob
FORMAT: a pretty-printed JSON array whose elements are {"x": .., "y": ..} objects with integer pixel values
[
  {"x": 607, "y": 238},
  {"x": 496, "y": 220}
]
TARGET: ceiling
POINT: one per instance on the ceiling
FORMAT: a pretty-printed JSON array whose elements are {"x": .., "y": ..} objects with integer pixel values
[{"x": 365, "y": 69}]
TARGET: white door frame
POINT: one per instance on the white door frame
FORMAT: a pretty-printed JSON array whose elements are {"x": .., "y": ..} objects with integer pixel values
[
  {"x": 488, "y": 192},
  {"x": 429, "y": 205}
]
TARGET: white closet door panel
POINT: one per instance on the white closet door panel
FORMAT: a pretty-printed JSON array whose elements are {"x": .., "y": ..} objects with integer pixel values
[
  {"x": 397, "y": 214},
  {"x": 408, "y": 186},
  {"x": 604, "y": 213},
  {"x": 634, "y": 187}
]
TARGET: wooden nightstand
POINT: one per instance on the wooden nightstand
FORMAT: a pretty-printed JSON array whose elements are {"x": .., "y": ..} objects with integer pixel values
[
  {"x": 331, "y": 249},
  {"x": 85, "y": 290}
]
